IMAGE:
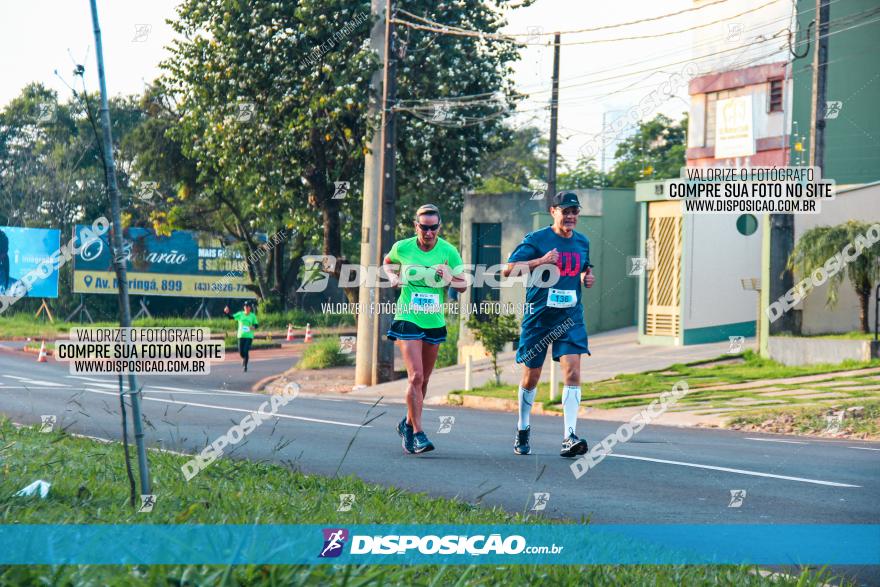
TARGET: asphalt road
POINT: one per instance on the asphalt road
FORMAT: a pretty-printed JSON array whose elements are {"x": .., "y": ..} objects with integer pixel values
[{"x": 663, "y": 475}]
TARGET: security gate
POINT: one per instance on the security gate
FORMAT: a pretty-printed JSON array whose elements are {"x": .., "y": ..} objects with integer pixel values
[{"x": 663, "y": 311}]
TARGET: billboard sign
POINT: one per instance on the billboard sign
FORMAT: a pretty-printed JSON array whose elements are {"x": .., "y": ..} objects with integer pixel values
[
  {"x": 181, "y": 264},
  {"x": 22, "y": 250},
  {"x": 734, "y": 128}
]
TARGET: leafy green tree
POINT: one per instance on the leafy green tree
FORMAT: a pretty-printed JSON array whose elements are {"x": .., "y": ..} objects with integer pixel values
[
  {"x": 655, "y": 151},
  {"x": 517, "y": 164},
  {"x": 302, "y": 70},
  {"x": 584, "y": 175},
  {"x": 819, "y": 245},
  {"x": 494, "y": 330}
]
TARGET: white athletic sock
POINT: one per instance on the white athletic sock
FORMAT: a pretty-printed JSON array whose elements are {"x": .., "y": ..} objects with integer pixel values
[
  {"x": 571, "y": 402},
  {"x": 526, "y": 398}
]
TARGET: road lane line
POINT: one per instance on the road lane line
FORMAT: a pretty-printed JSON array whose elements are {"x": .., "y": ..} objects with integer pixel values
[
  {"x": 96, "y": 380},
  {"x": 739, "y": 471},
  {"x": 277, "y": 415},
  {"x": 862, "y": 448},
  {"x": 778, "y": 440},
  {"x": 37, "y": 381}
]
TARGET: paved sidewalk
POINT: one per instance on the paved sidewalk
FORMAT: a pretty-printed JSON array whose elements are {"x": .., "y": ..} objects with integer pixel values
[{"x": 614, "y": 352}]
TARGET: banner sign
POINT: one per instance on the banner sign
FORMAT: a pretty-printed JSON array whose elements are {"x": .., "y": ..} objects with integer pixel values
[
  {"x": 176, "y": 265},
  {"x": 734, "y": 128},
  {"x": 21, "y": 251},
  {"x": 408, "y": 544}
]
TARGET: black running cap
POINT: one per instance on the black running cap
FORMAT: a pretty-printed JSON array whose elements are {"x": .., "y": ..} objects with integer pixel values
[{"x": 565, "y": 200}]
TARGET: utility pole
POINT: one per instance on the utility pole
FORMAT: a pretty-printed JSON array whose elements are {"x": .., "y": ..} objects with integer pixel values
[
  {"x": 820, "y": 70},
  {"x": 367, "y": 296},
  {"x": 118, "y": 258},
  {"x": 383, "y": 349},
  {"x": 554, "y": 120}
]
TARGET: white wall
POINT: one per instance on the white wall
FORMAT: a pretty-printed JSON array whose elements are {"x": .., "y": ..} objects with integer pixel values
[
  {"x": 716, "y": 257},
  {"x": 860, "y": 204}
]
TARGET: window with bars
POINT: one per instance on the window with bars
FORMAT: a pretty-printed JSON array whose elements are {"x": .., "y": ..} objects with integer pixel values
[{"x": 775, "y": 95}]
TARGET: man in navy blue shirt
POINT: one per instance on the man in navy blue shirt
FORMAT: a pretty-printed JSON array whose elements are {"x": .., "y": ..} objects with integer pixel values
[{"x": 556, "y": 317}]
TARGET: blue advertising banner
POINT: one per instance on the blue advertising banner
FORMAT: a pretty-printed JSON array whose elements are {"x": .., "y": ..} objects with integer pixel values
[
  {"x": 181, "y": 264},
  {"x": 553, "y": 544},
  {"x": 22, "y": 250}
]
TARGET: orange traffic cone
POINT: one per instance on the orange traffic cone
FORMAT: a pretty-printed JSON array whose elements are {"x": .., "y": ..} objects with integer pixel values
[
  {"x": 42, "y": 358},
  {"x": 289, "y": 332},
  {"x": 308, "y": 333}
]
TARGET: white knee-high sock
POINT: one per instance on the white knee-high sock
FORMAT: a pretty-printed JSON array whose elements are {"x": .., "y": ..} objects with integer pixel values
[
  {"x": 526, "y": 398},
  {"x": 571, "y": 401}
]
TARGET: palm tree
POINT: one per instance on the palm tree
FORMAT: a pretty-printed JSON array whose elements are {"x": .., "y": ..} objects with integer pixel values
[{"x": 819, "y": 245}]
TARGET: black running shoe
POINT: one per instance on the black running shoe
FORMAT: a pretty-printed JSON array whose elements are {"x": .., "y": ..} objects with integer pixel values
[
  {"x": 406, "y": 433},
  {"x": 421, "y": 443},
  {"x": 573, "y": 446},
  {"x": 521, "y": 446}
]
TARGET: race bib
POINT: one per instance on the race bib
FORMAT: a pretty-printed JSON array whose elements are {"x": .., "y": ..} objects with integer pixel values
[
  {"x": 425, "y": 302},
  {"x": 561, "y": 298},
  {"x": 245, "y": 328}
]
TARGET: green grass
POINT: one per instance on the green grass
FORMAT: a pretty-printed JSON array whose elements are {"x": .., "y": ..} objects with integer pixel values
[
  {"x": 811, "y": 419},
  {"x": 324, "y": 353},
  {"x": 852, "y": 335},
  {"x": 620, "y": 389},
  {"x": 89, "y": 486},
  {"x": 24, "y": 325}
]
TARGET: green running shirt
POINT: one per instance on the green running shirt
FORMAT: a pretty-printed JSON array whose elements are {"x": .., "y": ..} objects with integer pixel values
[
  {"x": 420, "y": 302},
  {"x": 246, "y": 324}
]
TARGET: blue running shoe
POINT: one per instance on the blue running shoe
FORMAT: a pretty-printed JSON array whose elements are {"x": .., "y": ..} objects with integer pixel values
[
  {"x": 406, "y": 433},
  {"x": 421, "y": 443}
]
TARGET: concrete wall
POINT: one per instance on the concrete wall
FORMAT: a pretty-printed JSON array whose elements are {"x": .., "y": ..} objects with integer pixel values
[
  {"x": 716, "y": 257},
  {"x": 862, "y": 204},
  {"x": 790, "y": 350}
]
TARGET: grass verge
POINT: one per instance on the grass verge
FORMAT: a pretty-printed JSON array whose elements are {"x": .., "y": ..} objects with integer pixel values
[
  {"x": 324, "y": 353},
  {"x": 89, "y": 486},
  {"x": 813, "y": 420}
]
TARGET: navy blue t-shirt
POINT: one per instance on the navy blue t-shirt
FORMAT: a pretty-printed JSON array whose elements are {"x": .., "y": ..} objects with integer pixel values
[{"x": 550, "y": 305}]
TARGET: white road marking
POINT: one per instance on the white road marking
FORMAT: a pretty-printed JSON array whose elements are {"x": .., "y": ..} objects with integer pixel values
[
  {"x": 105, "y": 385},
  {"x": 104, "y": 380},
  {"x": 739, "y": 471},
  {"x": 37, "y": 381},
  {"x": 777, "y": 440},
  {"x": 862, "y": 448},
  {"x": 303, "y": 418}
]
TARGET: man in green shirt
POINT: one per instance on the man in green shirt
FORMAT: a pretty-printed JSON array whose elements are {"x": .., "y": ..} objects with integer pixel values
[
  {"x": 423, "y": 267},
  {"x": 247, "y": 323}
]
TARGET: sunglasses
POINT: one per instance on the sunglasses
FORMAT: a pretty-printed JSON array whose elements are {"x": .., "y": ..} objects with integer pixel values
[{"x": 427, "y": 227}]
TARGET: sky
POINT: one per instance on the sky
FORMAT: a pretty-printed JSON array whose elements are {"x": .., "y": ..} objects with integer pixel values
[{"x": 38, "y": 37}]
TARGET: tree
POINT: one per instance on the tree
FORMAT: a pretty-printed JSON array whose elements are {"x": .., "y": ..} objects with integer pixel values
[
  {"x": 655, "y": 151},
  {"x": 300, "y": 73},
  {"x": 821, "y": 247},
  {"x": 517, "y": 164},
  {"x": 584, "y": 175}
]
